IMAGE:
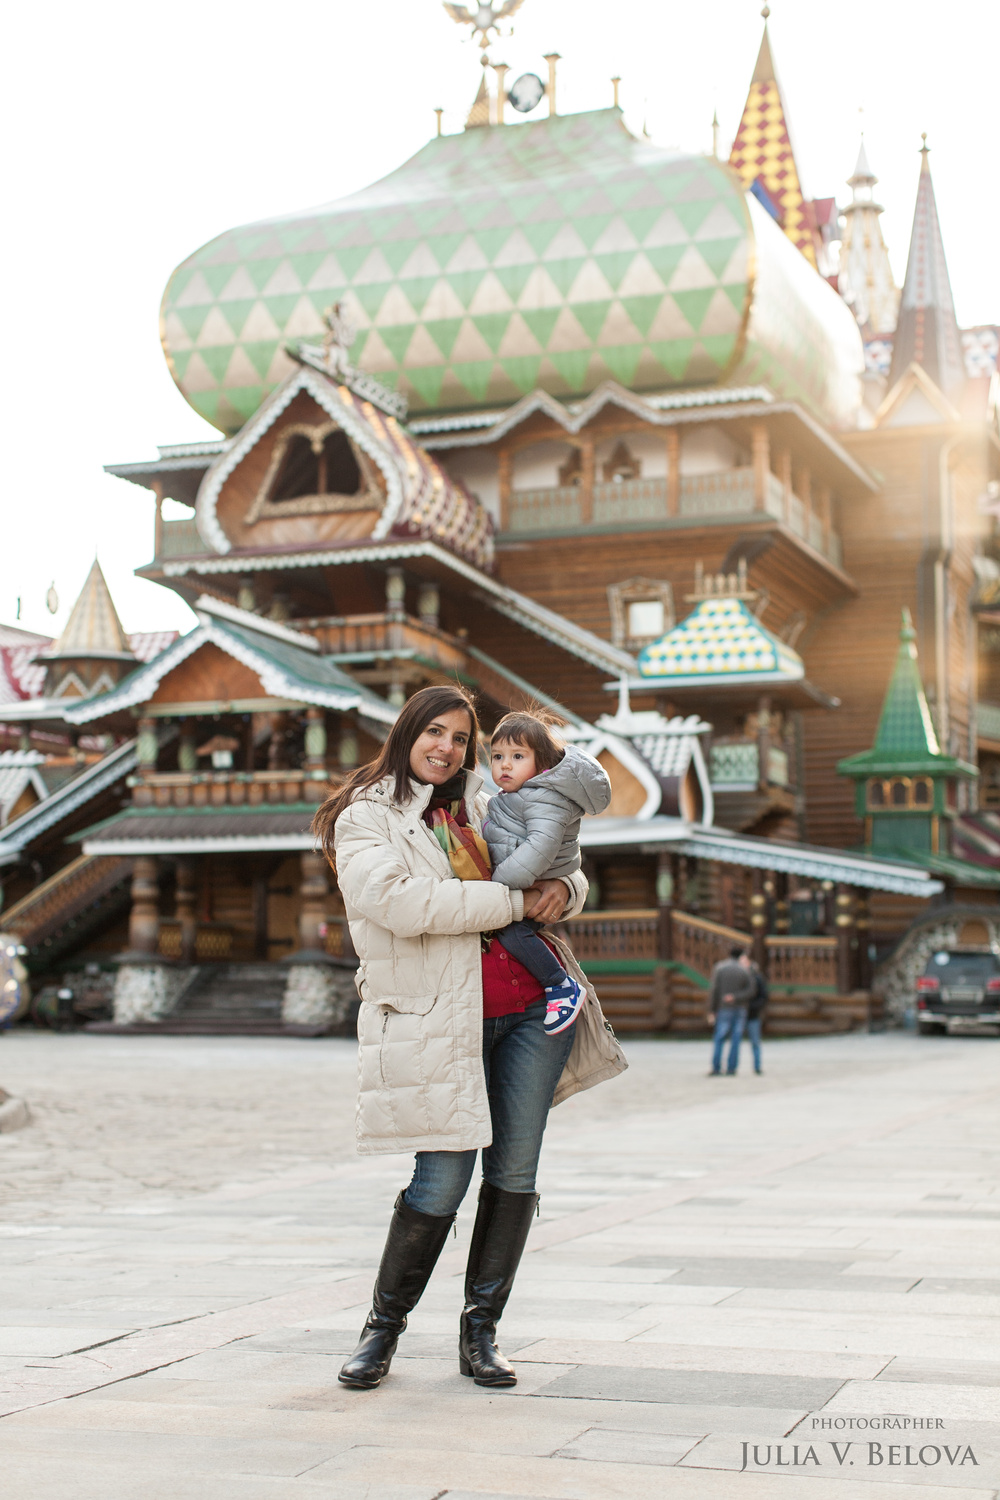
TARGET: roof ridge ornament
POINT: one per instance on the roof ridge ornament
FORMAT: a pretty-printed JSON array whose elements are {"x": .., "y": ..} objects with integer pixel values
[
  {"x": 720, "y": 585},
  {"x": 332, "y": 359},
  {"x": 483, "y": 18}
]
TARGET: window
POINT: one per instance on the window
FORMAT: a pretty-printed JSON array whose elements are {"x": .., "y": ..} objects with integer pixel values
[
  {"x": 902, "y": 793},
  {"x": 899, "y": 793},
  {"x": 642, "y": 610},
  {"x": 621, "y": 466},
  {"x": 315, "y": 470},
  {"x": 646, "y": 619},
  {"x": 876, "y": 794},
  {"x": 923, "y": 791}
]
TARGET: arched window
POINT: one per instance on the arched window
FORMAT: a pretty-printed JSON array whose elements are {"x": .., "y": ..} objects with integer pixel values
[
  {"x": 315, "y": 470},
  {"x": 923, "y": 791},
  {"x": 899, "y": 793},
  {"x": 876, "y": 794}
]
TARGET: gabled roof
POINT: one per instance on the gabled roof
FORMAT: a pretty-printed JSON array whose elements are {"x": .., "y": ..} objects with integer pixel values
[
  {"x": 927, "y": 330},
  {"x": 288, "y": 668},
  {"x": 19, "y": 770},
  {"x": 915, "y": 401},
  {"x": 421, "y": 499},
  {"x": 720, "y": 642},
  {"x": 905, "y": 742},
  {"x": 93, "y": 629},
  {"x": 762, "y": 155},
  {"x": 75, "y": 793}
]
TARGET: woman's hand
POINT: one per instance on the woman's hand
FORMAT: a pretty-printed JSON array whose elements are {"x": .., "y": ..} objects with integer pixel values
[{"x": 546, "y": 900}]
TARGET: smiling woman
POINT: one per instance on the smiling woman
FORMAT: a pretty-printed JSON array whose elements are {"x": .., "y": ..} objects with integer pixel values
[{"x": 454, "y": 1057}]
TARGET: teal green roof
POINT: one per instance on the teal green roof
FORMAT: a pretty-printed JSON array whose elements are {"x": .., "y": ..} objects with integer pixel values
[
  {"x": 719, "y": 642},
  {"x": 552, "y": 255},
  {"x": 905, "y": 742}
]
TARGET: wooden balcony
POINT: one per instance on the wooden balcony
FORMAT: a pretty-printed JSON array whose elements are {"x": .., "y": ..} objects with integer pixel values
[
  {"x": 713, "y": 496},
  {"x": 179, "y": 539},
  {"x": 734, "y": 765},
  {"x": 365, "y": 638},
  {"x": 228, "y": 788}
]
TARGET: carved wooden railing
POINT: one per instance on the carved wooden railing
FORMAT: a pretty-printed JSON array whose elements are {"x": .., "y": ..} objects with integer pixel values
[
  {"x": 364, "y": 636},
  {"x": 699, "y": 944},
  {"x": 50, "y": 906},
  {"x": 802, "y": 961},
  {"x": 609, "y": 935},
  {"x": 227, "y": 788},
  {"x": 213, "y": 941}
]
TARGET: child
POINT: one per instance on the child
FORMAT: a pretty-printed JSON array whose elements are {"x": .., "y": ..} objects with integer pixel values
[{"x": 533, "y": 833}]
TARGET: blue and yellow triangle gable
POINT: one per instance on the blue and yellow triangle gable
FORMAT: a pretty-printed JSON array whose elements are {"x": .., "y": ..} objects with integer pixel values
[{"x": 720, "y": 640}]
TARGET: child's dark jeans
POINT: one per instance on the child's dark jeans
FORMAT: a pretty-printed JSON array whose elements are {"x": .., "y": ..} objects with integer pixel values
[{"x": 522, "y": 942}]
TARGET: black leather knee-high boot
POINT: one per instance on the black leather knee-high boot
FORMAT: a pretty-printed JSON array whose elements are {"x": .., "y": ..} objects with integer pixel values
[
  {"x": 412, "y": 1247},
  {"x": 498, "y": 1239}
]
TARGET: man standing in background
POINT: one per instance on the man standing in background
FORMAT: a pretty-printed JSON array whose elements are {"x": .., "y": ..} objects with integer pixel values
[
  {"x": 755, "y": 1008},
  {"x": 732, "y": 989}
]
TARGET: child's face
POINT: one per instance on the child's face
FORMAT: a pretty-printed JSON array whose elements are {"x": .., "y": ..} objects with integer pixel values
[{"x": 513, "y": 765}]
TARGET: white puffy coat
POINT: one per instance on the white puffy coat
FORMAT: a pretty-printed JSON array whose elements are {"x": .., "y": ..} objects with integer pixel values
[{"x": 415, "y": 927}]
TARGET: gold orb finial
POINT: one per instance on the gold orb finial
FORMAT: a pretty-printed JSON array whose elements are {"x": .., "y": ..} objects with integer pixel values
[{"x": 766, "y": 12}]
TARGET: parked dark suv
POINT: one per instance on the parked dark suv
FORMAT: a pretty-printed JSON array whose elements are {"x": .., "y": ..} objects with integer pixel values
[{"x": 958, "y": 984}]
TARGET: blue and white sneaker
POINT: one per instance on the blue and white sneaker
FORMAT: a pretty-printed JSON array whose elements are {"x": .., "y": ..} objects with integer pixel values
[{"x": 564, "y": 1003}]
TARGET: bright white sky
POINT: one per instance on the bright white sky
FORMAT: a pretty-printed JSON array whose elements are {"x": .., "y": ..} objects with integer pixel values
[{"x": 141, "y": 131}]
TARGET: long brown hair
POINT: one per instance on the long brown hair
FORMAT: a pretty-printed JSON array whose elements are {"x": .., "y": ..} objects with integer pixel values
[{"x": 394, "y": 758}]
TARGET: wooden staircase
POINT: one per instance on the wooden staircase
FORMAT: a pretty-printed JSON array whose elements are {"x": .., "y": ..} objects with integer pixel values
[{"x": 57, "y": 914}]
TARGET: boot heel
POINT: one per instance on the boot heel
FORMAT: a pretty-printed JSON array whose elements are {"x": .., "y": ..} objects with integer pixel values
[{"x": 464, "y": 1368}]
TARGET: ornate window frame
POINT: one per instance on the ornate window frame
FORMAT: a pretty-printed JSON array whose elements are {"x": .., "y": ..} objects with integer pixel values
[
  {"x": 369, "y": 497},
  {"x": 910, "y": 803}
]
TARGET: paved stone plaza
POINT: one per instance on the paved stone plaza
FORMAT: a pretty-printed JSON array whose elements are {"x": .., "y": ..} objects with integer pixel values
[{"x": 189, "y": 1242}]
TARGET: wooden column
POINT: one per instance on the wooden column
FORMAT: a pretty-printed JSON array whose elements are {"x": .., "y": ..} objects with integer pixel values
[
  {"x": 824, "y": 510},
  {"x": 157, "y": 488},
  {"x": 785, "y": 475},
  {"x": 782, "y": 912},
  {"x": 276, "y": 747},
  {"x": 844, "y": 923},
  {"x": 505, "y": 464},
  {"x": 763, "y": 739},
  {"x": 148, "y": 747},
  {"x": 586, "y": 481},
  {"x": 429, "y": 604},
  {"x": 863, "y": 924},
  {"x": 144, "y": 918},
  {"x": 673, "y": 440},
  {"x": 803, "y": 484},
  {"x": 315, "y": 758},
  {"x": 758, "y": 920},
  {"x": 314, "y": 891},
  {"x": 185, "y": 899},
  {"x": 761, "y": 449},
  {"x": 665, "y": 902}
]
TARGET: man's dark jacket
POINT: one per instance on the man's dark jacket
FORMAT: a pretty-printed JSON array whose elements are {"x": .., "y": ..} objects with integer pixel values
[{"x": 730, "y": 978}]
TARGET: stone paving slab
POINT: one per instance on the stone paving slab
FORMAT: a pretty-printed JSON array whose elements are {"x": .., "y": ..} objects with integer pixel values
[{"x": 710, "y": 1270}]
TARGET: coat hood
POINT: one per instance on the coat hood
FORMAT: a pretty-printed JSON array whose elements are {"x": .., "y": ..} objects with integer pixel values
[{"x": 581, "y": 778}]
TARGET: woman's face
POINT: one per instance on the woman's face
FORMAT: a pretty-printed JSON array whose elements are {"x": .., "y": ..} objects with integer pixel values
[{"x": 438, "y": 753}]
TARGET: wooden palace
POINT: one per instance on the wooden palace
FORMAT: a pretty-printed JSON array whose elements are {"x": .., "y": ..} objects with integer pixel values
[{"x": 571, "y": 419}]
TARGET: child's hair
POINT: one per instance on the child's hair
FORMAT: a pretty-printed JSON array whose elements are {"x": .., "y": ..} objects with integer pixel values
[{"x": 531, "y": 727}]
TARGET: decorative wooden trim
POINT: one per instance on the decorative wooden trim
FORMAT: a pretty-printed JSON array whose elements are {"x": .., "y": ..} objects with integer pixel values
[
  {"x": 586, "y": 480},
  {"x": 760, "y": 440},
  {"x": 505, "y": 465},
  {"x": 673, "y": 444},
  {"x": 785, "y": 476}
]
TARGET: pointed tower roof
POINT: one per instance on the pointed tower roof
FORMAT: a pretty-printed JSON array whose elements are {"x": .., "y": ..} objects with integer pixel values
[
  {"x": 865, "y": 279},
  {"x": 93, "y": 629},
  {"x": 905, "y": 742},
  {"x": 762, "y": 154},
  {"x": 927, "y": 331}
]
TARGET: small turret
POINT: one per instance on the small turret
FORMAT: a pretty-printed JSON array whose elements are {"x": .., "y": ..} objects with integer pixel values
[
  {"x": 92, "y": 654},
  {"x": 905, "y": 787},
  {"x": 865, "y": 279},
  {"x": 927, "y": 331}
]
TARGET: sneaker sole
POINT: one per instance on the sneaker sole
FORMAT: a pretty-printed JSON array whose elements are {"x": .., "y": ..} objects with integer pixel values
[{"x": 563, "y": 1025}]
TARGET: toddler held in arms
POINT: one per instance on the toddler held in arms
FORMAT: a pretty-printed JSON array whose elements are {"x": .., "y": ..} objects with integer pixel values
[{"x": 533, "y": 833}]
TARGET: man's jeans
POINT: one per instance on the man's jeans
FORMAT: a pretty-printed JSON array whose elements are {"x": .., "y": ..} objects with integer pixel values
[
  {"x": 523, "y": 1065},
  {"x": 753, "y": 1033},
  {"x": 729, "y": 1022}
]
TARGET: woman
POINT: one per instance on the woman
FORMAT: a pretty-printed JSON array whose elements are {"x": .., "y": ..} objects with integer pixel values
[{"x": 453, "y": 1055}]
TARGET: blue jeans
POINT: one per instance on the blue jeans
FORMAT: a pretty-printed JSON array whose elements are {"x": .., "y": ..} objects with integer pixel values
[
  {"x": 729, "y": 1022},
  {"x": 523, "y": 1066},
  {"x": 753, "y": 1033},
  {"x": 522, "y": 942}
]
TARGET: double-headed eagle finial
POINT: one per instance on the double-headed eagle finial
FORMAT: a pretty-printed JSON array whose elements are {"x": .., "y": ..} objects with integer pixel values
[{"x": 483, "y": 19}]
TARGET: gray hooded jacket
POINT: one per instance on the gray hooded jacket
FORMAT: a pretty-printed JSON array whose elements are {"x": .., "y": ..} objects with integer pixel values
[{"x": 534, "y": 833}]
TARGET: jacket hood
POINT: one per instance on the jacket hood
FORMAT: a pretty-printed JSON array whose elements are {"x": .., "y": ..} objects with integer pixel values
[{"x": 581, "y": 778}]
